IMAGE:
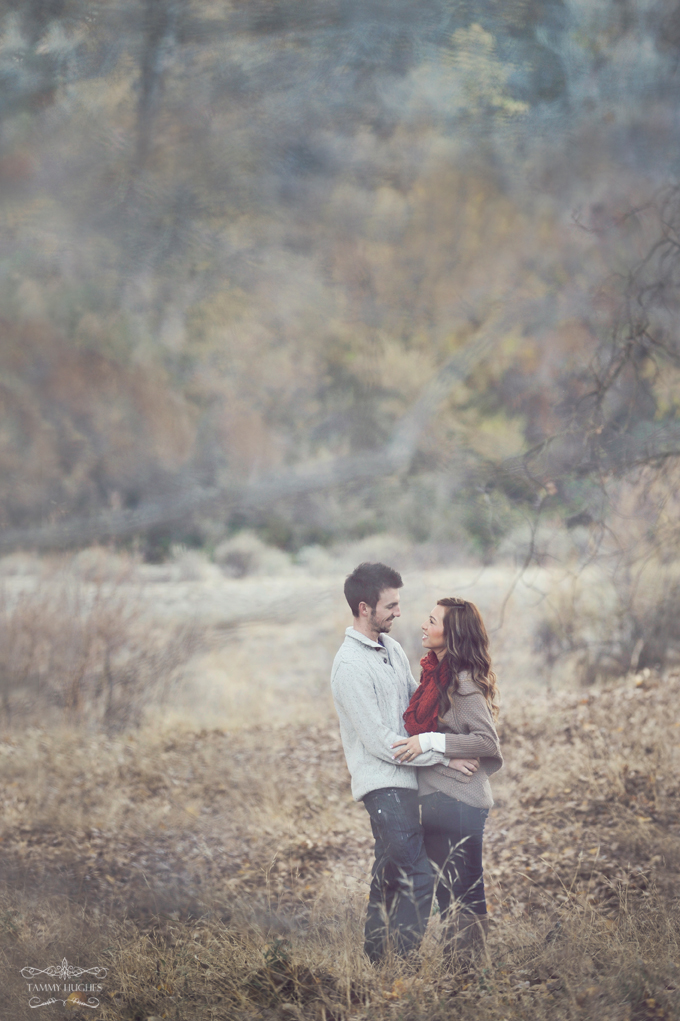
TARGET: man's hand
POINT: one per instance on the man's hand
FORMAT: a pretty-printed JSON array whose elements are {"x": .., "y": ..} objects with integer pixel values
[
  {"x": 410, "y": 748},
  {"x": 467, "y": 766}
]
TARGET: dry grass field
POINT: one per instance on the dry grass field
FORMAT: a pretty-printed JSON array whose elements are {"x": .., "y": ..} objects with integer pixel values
[{"x": 206, "y": 851}]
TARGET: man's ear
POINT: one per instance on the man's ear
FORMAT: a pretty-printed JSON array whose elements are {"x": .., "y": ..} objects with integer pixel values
[{"x": 364, "y": 610}]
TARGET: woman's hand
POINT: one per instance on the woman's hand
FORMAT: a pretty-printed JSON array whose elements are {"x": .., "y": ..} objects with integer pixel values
[
  {"x": 467, "y": 766},
  {"x": 410, "y": 748}
]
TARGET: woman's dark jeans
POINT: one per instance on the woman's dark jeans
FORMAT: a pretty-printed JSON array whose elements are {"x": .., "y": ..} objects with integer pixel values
[
  {"x": 453, "y": 833},
  {"x": 400, "y": 900}
]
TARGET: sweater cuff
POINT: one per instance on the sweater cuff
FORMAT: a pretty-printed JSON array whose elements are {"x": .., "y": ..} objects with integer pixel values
[{"x": 432, "y": 742}]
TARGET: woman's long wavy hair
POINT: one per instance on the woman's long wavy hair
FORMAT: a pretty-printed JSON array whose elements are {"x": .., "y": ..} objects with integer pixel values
[{"x": 467, "y": 648}]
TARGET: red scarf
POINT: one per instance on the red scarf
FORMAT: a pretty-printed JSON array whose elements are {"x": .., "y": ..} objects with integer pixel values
[{"x": 423, "y": 709}]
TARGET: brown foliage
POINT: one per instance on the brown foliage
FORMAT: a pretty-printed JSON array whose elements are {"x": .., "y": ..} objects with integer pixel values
[{"x": 81, "y": 429}]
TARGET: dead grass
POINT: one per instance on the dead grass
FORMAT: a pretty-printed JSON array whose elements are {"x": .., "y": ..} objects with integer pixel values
[
  {"x": 87, "y": 652},
  {"x": 222, "y": 872},
  {"x": 224, "y": 875}
]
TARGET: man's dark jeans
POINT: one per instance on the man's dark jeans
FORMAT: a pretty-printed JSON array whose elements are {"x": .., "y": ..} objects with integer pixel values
[
  {"x": 400, "y": 900},
  {"x": 453, "y": 833}
]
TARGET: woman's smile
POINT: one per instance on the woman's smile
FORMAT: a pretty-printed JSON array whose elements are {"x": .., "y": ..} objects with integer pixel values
[{"x": 433, "y": 631}]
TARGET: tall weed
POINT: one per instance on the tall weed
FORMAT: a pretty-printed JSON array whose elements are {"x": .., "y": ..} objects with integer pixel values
[{"x": 86, "y": 652}]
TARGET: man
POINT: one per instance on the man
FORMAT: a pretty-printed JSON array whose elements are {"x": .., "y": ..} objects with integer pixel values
[{"x": 372, "y": 685}]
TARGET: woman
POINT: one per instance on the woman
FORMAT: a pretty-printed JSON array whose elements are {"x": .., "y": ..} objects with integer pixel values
[{"x": 453, "y": 711}]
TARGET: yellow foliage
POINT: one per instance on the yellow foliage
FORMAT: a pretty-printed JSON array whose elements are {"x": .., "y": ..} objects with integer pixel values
[{"x": 481, "y": 75}]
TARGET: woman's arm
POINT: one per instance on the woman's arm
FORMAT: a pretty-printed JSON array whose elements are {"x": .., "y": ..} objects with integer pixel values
[
  {"x": 475, "y": 743},
  {"x": 428, "y": 742},
  {"x": 409, "y": 748},
  {"x": 481, "y": 739}
]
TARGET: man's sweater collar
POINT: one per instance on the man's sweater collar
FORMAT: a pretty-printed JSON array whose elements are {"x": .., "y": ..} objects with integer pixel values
[{"x": 353, "y": 633}]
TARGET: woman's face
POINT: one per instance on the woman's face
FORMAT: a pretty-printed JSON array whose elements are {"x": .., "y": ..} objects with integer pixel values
[{"x": 433, "y": 631}]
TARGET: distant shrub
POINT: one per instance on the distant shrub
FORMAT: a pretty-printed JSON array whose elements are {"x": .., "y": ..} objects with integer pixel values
[
  {"x": 246, "y": 554},
  {"x": 87, "y": 652},
  {"x": 599, "y": 625}
]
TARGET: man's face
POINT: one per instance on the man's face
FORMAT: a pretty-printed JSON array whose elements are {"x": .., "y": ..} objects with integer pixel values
[{"x": 386, "y": 609}]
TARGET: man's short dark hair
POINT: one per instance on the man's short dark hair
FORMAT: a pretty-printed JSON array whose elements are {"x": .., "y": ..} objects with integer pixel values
[{"x": 366, "y": 582}]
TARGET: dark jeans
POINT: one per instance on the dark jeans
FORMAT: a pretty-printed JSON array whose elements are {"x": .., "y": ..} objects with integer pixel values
[
  {"x": 453, "y": 833},
  {"x": 400, "y": 900}
]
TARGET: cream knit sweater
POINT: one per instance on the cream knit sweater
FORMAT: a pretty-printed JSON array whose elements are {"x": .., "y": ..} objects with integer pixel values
[{"x": 372, "y": 684}]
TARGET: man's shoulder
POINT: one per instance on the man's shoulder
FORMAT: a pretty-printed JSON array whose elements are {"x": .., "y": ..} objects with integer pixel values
[
  {"x": 349, "y": 645},
  {"x": 355, "y": 651},
  {"x": 356, "y": 644},
  {"x": 350, "y": 652}
]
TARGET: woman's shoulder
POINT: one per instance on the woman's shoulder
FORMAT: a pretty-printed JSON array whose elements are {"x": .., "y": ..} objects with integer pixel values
[{"x": 466, "y": 686}]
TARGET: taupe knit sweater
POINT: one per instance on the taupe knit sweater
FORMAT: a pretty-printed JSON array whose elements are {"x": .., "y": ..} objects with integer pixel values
[{"x": 470, "y": 734}]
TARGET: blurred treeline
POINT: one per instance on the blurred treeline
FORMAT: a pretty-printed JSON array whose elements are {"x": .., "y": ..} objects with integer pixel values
[{"x": 242, "y": 237}]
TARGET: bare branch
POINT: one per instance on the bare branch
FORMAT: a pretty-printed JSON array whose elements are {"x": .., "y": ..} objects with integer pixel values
[{"x": 572, "y": 453}]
